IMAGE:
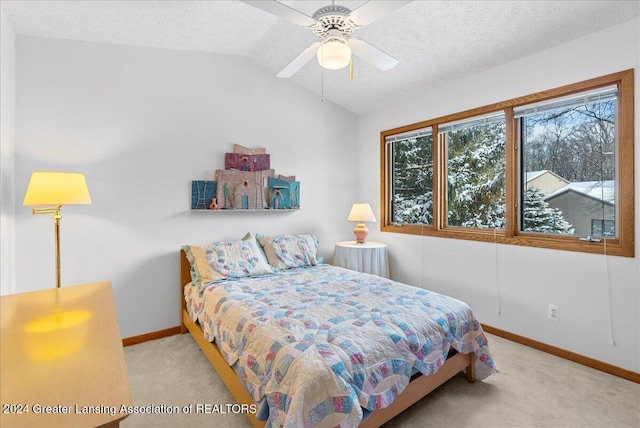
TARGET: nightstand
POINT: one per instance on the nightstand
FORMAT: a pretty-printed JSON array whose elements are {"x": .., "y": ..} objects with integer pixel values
[{"x": 370, "y": 257}]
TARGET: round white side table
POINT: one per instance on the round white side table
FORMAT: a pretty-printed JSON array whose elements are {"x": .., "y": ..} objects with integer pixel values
[{"x": 370, "y": 257}]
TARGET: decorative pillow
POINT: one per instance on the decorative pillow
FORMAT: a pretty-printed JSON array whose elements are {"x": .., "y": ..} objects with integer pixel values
[
  {"x": 226, "y": 260},
  {"x": 200, "y": 269},
  {"x": 250, "y": 236},
  {"x": 290, "y": 251}
]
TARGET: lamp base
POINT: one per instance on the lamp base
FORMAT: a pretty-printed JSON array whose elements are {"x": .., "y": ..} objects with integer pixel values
[{"x": 361, "y": 232}]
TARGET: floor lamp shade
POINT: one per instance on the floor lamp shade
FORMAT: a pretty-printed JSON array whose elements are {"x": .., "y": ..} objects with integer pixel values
[
  {"x": 57, "y": 188},
  {"x": 54, "y": 189}
]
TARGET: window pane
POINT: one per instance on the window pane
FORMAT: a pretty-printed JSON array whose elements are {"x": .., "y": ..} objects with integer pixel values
[
  {"x": 569, "y": 161},
  {"x": 476, "y": 172},
  {"x": 412, "y": 178},
  {"x": 599, "y": 225}
]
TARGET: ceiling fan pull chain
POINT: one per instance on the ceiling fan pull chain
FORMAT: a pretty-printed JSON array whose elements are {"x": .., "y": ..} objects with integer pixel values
[
  {"x": 322, "y": 84},
  {"x": 351, "y": 69}
]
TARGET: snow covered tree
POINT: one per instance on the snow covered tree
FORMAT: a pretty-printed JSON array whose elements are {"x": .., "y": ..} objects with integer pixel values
[
  {"x": 413, "y": 180},
  {"x": 476, "y": 176},
  {"x": 539, "y": 217}
]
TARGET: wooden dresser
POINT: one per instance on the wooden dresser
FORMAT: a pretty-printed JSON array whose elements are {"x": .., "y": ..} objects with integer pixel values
[{"x": 62, "y": 362}]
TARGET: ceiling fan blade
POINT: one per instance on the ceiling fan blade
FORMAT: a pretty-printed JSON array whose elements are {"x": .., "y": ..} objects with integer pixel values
[
  {"x": 371, "y": 54},
  {"x": 300, "y": 60},
  {"x": 373, "y": 10},
  {"x": 283, "y": 11}
]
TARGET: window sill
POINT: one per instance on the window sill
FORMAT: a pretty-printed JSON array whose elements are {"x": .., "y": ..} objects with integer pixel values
[{"x": 611, "y": 247}]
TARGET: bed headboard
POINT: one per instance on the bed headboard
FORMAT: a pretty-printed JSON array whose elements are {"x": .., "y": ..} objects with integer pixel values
[{"x": 185, "y": 276}]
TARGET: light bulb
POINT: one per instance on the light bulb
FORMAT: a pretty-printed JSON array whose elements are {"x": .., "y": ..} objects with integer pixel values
[{"x": 334, "y": 54}]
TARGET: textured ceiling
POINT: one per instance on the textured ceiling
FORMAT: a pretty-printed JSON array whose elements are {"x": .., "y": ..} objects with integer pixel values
[{"x": 433, "y": 40}]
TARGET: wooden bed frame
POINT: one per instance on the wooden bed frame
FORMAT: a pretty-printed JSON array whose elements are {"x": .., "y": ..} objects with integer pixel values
[{"x": 418, "y": 387}]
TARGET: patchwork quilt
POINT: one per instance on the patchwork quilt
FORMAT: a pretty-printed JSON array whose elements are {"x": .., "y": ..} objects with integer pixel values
[{"x": 321, "y": 343}]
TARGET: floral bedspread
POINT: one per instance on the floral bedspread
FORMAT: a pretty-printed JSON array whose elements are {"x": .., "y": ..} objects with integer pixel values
[{"x": 321, "y": 343}]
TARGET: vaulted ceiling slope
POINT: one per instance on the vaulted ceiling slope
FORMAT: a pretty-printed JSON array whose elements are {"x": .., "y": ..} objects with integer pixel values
[{"x": 434, "y": 41}]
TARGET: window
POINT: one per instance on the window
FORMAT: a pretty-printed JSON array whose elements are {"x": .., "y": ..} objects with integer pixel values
[
  {"x": 546, "y": 170},
  {"x": 475, "y": 171},
  {"x": 411, "y": 169},
  {"x": 568, "y": 171}
]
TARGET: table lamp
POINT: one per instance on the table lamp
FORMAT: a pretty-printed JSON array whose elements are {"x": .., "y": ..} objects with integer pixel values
[
  {"x": 360, "y": 213},
  {"x": 57, "y": 189}
]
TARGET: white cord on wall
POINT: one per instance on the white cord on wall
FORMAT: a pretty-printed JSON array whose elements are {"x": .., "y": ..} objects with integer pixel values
[
  {"x": 610, "y": 293},
  {"x": 495, "y": 244},
  {"x": 422, "y": 256}
]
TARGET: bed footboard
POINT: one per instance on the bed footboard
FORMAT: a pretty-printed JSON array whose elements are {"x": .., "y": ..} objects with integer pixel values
[
  {"x": 226, "y": 373},
  {"x": 420, "y": 387}
]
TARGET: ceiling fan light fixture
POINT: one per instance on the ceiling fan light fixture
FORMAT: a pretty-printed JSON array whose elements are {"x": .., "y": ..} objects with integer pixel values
[{"x": 334, "y": 54}]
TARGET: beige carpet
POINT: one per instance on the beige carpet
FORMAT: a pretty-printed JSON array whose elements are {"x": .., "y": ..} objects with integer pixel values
[{"x": 532, "y": 389}]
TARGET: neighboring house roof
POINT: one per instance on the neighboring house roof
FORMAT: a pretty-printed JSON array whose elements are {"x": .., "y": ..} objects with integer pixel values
[
  {"x": 545, "y": 181},
  {"x": 532, "y": 175},
  {"x": 603, "y": 191}
]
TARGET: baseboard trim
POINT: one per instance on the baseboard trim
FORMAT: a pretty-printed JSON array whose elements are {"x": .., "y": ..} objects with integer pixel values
[
  {"x": 558, "y": 352},
  {"x": 150, "y": 336},
  {"x": 567, "y": 355}
]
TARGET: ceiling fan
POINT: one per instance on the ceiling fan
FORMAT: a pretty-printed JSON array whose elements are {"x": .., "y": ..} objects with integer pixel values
[{"x": 334, "y": 25}]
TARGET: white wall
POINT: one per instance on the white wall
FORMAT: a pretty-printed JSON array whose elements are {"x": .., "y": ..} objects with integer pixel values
[
  {"x": 141, "y": 123},
  {"x": 7, "y": 156},
  {"x": 528, "y": 279}
]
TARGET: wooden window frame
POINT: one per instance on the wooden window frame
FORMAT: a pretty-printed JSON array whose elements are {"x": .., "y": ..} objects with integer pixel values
[{"x": 623, "y": 245}]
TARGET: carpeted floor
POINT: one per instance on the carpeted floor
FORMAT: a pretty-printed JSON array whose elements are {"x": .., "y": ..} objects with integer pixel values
[{"x": 532, "y": 389}]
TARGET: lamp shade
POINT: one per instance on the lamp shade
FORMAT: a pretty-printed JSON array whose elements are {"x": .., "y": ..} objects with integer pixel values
[
  {"x": 57, "y": 188},
  {"x": 334, "y": 54},
  {"x": 361, "y": 212}
]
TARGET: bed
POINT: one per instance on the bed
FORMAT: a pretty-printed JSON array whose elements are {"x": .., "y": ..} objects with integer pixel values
[{"x": 310, "y": 344}]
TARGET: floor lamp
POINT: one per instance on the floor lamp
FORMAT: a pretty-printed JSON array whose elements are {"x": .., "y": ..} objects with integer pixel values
[{"x": 56, "y": 189}]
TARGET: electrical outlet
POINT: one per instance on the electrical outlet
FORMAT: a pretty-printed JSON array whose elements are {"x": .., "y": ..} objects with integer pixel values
[{"x": 554, "y": 313}]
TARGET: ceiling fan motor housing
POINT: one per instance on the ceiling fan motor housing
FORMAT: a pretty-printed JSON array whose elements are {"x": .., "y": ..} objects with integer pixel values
[{"x": 332, "y": 17}]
